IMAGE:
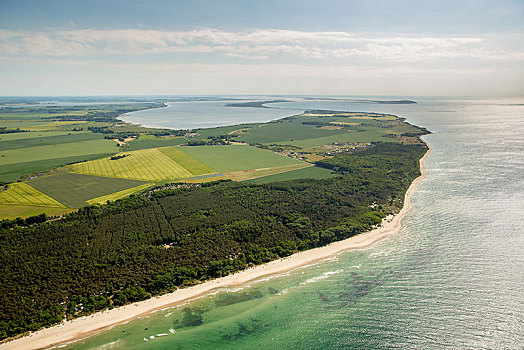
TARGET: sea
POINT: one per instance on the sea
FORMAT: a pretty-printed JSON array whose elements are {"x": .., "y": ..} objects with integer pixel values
[{"x": 452, "y": 278}]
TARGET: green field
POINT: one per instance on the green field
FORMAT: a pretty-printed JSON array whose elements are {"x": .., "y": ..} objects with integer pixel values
[
  {"x": 24, "y": 194},
  {"x": 71, "y": 149},
  {"x": 88, "y": 175},
  {"x": 13, "y": 172},
  {"x": 11, "y": 211},
  {"x": 74, "y": 190},
  {"x": 352, "y": 136},
  {"x": 284, "y": 132},
  {"x": 305, "y": 173},
  {"x": 46, "y": 140},
  {"x": 31, "y": 135},
  {"x": 57, "y": 125},
  {"x": 119, "y": 194},
  {"x": 243, "y": 175},
  {"x": 144, "y": 143},
  {"x": 237, "y": 157},
  {"x": 154, "y": 164},
  {"x": 16, "y": 162}
]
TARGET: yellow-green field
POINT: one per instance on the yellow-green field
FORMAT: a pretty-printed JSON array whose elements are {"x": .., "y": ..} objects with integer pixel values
[
  {"x": 343, "y": 123},
  {"x": 255, "y": 173},
  {"x": 23, "y": 194},
  {"x": 55, "y": 125},
  {"x": 118, "y": 195},
  {"x": 12, "y": 211},
  {"x": 153, "y": 164}
]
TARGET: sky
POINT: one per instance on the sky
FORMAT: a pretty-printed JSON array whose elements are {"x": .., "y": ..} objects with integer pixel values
[{"x": 202, "y": 47}]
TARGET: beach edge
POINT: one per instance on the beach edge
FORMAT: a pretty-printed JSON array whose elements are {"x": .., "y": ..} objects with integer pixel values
[{"x": 82, "y": 327}]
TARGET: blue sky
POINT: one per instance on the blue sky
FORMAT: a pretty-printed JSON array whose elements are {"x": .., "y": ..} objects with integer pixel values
[{"x": 405, "y": 48}]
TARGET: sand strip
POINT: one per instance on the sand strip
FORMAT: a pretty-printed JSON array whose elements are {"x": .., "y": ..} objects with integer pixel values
[{"x": 88, "y": 325}]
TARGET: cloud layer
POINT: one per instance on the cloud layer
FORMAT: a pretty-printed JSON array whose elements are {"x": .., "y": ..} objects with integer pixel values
[
  {"x": 253, "y": 45},
  {"x": 210, "y": 61}
]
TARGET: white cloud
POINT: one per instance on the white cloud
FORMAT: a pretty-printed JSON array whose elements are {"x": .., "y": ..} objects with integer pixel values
[{"x": 259, "y": 44}]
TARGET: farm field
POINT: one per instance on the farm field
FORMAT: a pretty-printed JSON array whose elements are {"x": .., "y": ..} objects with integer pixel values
[
  {"x": 304, "y": 173},
  {"x": 47, "y": 140},
  {"x": 144, "y": 143},
  {"x": 352, "y": 136},
  {"x": 237, "y": 157},
  {"x": 31, "y": 135},
  {"x": 13, "y": 211},
  {"x": 74, "y": 190},
  {"x": 13, "y": 172},
  {"x": 155, "y": 164},
  {"x": 30, "y": 154},
  {"x": 117, "y": 195},
  {"x": 24, "y": 194},
  {"x": 284, "y": 131},
  {"x": 74, "y": 138},
  {"x": 262, "y": 172},
  {"x": 58, "y": 125}
]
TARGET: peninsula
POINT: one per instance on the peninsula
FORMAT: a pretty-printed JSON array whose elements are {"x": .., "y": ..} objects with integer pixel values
[{"x": 206, "y": 204}]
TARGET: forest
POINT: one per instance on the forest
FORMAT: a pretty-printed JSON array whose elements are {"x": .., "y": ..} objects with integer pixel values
[{"x": 103, "y": 256}]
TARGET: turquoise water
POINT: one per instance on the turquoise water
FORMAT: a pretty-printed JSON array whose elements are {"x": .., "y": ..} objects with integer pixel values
[{"x": 452, "y": 278}]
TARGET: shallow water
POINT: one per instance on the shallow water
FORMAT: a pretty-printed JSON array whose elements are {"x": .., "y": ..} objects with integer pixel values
[
  {"x": 452, "y": 278},
  {"x": 202, "y": 114}
]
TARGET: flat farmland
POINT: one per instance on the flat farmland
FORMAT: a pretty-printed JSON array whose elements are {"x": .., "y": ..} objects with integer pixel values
[
  {"x": 13, "y": 172},
  {"x": 118, "y": 195},
  {"x": 237, "y": 157},
  {"x": 305, "y": 173},
  {"x": 31, "y": 135},
  {"x": 12, "y": 211},
  {"x": 75, "y": 190},
  {"x": 24, "y": 194},
  {"x": 347, "y": 136},
  {"x": 29, "y": 154},
  {"x": 46, "y": 140},
  {"x": 263, "y": 172},
  {"x": 143, "y": 143},
  {"x": 154, "y": 164},
  {"x": 284, "y": 131}
]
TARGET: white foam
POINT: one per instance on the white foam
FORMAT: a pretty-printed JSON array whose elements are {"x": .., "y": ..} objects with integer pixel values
[{"x": 321, "y": 277}]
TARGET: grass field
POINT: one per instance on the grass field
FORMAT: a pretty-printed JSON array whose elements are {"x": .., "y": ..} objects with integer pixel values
[
  {"x": 154, "y": 164},
  {"x": 144, "y": 143},
  {"x": 12, "y": 211},
  {"x": 56, "y": 151},
  {"x": 237, "y": 157},
  {"x": 283, "y": 132},
  {"x": 13, "y": 172},
  {"x": 31, "y": 135},
  {"x": 46, "y": 140},
  {"x": 118, "y": 195},
  {"x": 24, "y": 194},
  {"x": 56, "y": 125},
  {"x": 74, "y": 190},
  {"x": 201, "y": 179},
  {"x": 305, "y": 173},
  {"x": 356, "y": 137},
  {"x": 255, "y": 173}
]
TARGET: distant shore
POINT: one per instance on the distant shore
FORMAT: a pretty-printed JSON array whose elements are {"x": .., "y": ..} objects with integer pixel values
[{"x": 88, "y": 325}]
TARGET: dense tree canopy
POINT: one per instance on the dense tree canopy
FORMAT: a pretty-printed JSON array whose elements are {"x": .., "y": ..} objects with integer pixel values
[{"x": 109, "y": 255}]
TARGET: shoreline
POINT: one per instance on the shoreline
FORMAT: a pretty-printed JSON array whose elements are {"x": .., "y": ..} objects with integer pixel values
[{"x": 85, "y": 326}]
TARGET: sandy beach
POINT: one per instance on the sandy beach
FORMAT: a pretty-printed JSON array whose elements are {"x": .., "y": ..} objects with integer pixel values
[{"x": 84, "y": 326}]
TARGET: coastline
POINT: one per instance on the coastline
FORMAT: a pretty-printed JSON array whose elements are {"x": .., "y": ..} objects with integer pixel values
[{"x": 88, "y": 325}]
